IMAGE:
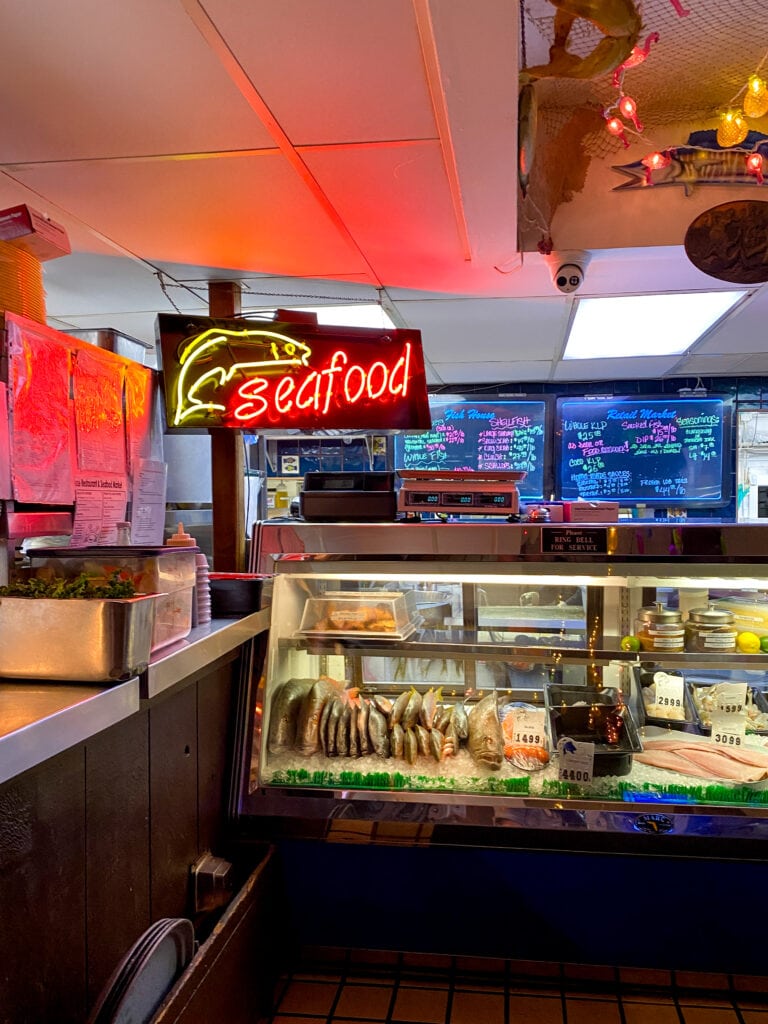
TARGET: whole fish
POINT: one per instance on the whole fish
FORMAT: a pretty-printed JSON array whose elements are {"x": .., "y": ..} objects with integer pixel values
[
  {"x": 384, "y": 704},
  {"x": 398, "y": 708},
  {"x": 308, "y": 724},
  {"x": 485, "y": 741},
  {"x": 337, "y": 707},
  {"x": 429, "y": 705},
  {"x": 284, "y": 713},
  {"x": 443, "y": 715},
  {"x": 354, "y": 734},
  {"x": 459, "y": 719},
  {"x": 411, "y": 746},
  {"x": 362, "y": 727},
  {"x": 452, "y": 741},
  {"x": 422, "y": 739},
  {"x": 397, "y": 740},
  {"x": 342, "y": 731},
  {"x": 412, "y": 709},
  {"x": 377, "y": 730},
  {"x": 436, "y": 744},
  {"x": 323, "y": 727}
]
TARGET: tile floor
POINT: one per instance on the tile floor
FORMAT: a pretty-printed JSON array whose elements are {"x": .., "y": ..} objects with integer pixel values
[{"x": 328, "y": 986}]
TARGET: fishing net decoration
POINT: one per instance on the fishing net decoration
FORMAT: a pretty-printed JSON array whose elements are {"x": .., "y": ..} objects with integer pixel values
[{"x": 700, "y": 65}]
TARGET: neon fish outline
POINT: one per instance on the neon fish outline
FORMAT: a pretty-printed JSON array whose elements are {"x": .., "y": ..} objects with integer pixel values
[{"x": 297, "y": 353}]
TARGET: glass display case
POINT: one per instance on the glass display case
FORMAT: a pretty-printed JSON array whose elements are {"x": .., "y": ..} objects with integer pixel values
[{"x": 517, "y": 688}]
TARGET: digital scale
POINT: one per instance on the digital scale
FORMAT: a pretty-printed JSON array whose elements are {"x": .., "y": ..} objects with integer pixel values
[{"x": 455, "y": 493}]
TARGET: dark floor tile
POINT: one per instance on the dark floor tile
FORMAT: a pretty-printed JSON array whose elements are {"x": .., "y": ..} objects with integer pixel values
[
  {"x": 472, "y": 1007},
  {"x": 592, "y": 1011},
  {"x": 701, "y": 980},
  {"x": 709, "y": 1015},
  {"x": 645, "y": 976},
  {"x": 650, "y": 1013},
  {"x": 364, "y": 1001},
  {"x": 524, "y": 1009},
  {"x": 421, "y": 1004},
  {"x": 308, "y": 997}
]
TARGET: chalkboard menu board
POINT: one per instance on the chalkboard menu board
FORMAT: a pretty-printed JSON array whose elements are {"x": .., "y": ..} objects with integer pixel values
[
  {"x": 480, "y": 435},
  {"x": 657, "y": 451}
]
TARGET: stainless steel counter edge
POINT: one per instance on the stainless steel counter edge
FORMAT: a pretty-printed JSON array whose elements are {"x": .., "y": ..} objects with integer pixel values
[
  {"x": 203, "y": 646},
  {"x": 32, "y": 744}
]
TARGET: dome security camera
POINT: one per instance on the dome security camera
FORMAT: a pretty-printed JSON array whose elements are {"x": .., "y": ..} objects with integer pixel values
[{"x": 568, "y": 270}]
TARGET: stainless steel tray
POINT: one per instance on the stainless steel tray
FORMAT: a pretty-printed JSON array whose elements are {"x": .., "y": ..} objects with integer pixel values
[{"x": 85, "y": 640}]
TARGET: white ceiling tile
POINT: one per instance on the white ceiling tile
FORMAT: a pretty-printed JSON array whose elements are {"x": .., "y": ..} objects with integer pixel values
[
  {"x": 492, "y": 372},
  {"x": 614, "y": 369}
]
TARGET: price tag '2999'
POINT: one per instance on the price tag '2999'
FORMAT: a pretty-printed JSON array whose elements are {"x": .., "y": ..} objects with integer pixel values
[{"x": 576, "y": 760}]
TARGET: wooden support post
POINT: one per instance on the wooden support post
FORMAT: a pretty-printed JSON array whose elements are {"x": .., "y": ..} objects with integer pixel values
[{"x": 227, "y": 459}]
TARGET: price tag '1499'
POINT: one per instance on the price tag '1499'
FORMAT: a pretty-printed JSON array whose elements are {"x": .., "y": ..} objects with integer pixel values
[{"x": 529, "y": 727}]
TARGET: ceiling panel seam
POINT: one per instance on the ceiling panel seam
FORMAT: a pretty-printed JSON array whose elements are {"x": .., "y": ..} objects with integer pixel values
[{"x": 240, "y": 79}]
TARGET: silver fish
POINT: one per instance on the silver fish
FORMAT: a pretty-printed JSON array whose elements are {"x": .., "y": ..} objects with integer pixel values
[
  {"x": 284, "y": 715},
  {"x": 485, "y": 739},
  {"x": 377, "y": 730},
  {"x": 436, "y": 744},
  {"x": 443, "y": 715},
  {"x": 342, "y": 731},
  {"x": 412, "y": 709},
  {"x": 354, "y": 734},
  {"x": 429, "y": 705},
  {"x": 323, "y": 727},
  {"x": 411, "y": 746},
  {"x": 422, "y": 739},
  {"x": 362, "y": 727},
  {"x": 308, "y": 724},
  {"x": 459, "y": 719},
  {"x": 337, "y": 707},
  {"x": 384, "y": 704},
  {"x": 397, "y": 740},
  {"x": 398, "y": 708}
]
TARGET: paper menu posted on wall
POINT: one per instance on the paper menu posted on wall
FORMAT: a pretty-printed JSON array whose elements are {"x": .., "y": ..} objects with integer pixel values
[
  {"x": 42, "y": 434},
  {"x": 100, "y": 504},
  {"x": 148, "y": 502},
  {"x": 98, "y": 387},
  {"x": 5, "y": 447},
  {"x": 138, "y": 414}
]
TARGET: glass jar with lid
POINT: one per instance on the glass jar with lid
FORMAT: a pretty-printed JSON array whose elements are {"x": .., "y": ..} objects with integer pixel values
[
  {"x": 660, "y": 629},
  {"x": 710, "y": 630}
]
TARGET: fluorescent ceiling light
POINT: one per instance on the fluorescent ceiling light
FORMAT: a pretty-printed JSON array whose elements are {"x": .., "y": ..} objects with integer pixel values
[
  {"x": 644, "y": 325},
  {"x": 357, "y": 314}
]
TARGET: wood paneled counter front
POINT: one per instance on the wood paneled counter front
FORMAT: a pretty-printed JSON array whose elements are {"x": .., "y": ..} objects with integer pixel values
[{"x": 108, "y": 795}]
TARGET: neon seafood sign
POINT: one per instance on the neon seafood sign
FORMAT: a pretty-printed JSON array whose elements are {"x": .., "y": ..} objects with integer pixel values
[{"x": 241, "y": 374}]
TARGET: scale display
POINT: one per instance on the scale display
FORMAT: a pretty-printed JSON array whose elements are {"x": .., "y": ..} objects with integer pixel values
[
  {"x": 666, "y": 451},
  {"x": 480, "y": 436}
]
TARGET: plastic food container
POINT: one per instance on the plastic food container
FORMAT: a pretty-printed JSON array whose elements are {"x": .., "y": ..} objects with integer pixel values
[
  {"x": 596, "y": 716},
  {"x": 685, "y": 718},
  {"x": 373, "y": 613},
  {"x": 704, "y": 697},
  {"x": 710, "y": 630},
  {"x": 660, "y": 629},
  {"x": 168, "y": 572}
]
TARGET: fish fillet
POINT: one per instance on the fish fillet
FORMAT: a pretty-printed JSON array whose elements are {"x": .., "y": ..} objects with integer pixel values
[
  {"x": 745, "y": 755},
  {"x": 693, "y": 759}
]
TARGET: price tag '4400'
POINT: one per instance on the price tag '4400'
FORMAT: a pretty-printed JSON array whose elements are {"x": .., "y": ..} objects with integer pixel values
[
  {"x": 576, "y": 760},
  {"x": 729, "y": 718}
]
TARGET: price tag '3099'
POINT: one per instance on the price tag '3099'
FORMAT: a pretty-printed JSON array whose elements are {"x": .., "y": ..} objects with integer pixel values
[{"x": 729, "y": 718}]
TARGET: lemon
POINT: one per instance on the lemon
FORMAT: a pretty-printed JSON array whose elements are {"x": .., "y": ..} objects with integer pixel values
[
  {"x": 630, "y": 643},
  {"x": 748, "y": 643}
]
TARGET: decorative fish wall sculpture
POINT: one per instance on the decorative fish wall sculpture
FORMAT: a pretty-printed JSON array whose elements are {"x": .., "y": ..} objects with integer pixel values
[{"x": 701, "y": 161}]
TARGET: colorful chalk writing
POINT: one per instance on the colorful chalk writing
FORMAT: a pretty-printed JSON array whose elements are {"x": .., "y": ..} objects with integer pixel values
[
  {"x": 652, "y": 450},
  {"x": 475, "y": 436}
]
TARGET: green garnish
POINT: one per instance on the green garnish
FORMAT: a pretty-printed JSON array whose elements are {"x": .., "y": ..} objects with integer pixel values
[{"x": 83, "y": 586}]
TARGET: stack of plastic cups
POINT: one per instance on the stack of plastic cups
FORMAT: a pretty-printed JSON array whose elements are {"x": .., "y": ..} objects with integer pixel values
[{"x": 202, "y": 580}]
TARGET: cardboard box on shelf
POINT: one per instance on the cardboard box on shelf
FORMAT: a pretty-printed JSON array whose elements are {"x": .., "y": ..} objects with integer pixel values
[
  {"x": 29, "y": 230},
  {"x": 590, "y": 511}
]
